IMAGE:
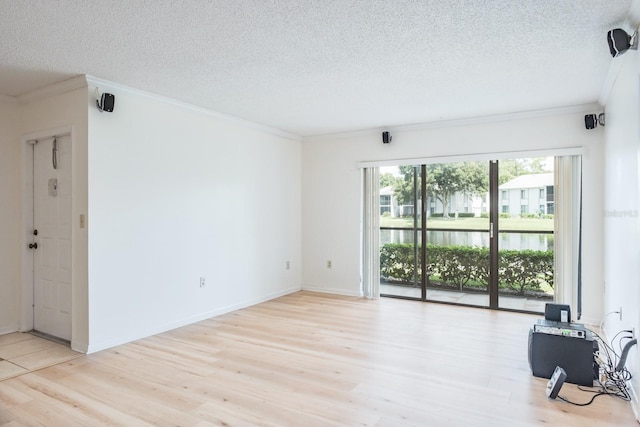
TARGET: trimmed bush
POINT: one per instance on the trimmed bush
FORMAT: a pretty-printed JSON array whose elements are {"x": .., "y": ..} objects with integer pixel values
[
  {"x": 468, "y": 267},
  {"x": 458, "y": 265},
  {"x": 521, "y": 270},
  {"x": 396, "y": 262},
  {"x": 453, "y": 215}
]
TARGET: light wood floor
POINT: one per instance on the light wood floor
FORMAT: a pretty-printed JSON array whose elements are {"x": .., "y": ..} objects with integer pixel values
[
  {"x": 309, "y": 359},
  {"x": 21, "y": 353}
]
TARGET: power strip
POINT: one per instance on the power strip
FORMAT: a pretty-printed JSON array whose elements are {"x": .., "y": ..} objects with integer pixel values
[{"x": 555, "y": 383}]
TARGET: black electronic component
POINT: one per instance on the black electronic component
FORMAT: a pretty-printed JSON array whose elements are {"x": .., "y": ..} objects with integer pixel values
[
  {"x": 386, "y": 138},
  {"x": 106, "y": 103},
  {"x": 557, "y": 312},
  {"x": 555, "y": 383},
  {"x": 572, "y": 348},
  {"x": 619, "y": 41}
]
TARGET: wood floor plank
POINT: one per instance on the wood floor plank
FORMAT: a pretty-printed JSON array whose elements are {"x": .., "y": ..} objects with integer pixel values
[
  {"x": 125, "y": 393},
  {"x": 14, "y": 338},
  {"x": 9, "y": 370},
  {"x": 310, "y": 359},
  {"x": 48, "y": 356},
  {"x": 23, "y": 347}
]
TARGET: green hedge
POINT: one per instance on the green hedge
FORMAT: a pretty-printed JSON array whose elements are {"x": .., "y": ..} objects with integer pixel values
[
  {"x": 531, "y": 216},
  {"x": 501, "y": 215},
  {"x": 468, "y": 267}
]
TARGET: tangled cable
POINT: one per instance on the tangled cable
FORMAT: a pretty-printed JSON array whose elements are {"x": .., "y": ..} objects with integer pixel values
[{"x": 613, "y": 375}]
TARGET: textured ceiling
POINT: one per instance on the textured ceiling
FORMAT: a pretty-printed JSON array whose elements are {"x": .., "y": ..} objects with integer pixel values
[{"x": 312, "y": 67}]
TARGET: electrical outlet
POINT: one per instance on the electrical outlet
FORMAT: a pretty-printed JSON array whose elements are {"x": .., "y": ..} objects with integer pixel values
[
  {"x": 288, "y": 265},
  {"x": 329, "y": 264},
  {"x": 202, "y": 281}
]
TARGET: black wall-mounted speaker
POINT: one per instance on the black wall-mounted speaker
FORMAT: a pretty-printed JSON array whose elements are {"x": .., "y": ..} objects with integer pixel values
[
  {"x": 590, "y": 121},
  {"x": 107, "y": 102},
  {"x": 619, "y": 42},
  {"x": 386, "y": 138}
]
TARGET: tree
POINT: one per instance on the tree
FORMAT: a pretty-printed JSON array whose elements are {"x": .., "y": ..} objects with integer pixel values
[
  {"x": 388, "y": 180},
  {"x": 403, "y": 190},
  {"x": 446, "y": 179},
  {"x": 512, "y": 168}
]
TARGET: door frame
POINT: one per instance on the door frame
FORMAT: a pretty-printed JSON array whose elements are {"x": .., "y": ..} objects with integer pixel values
[
  {"x": 26, "y": 235},
  {"x": 421, "y": 255}
]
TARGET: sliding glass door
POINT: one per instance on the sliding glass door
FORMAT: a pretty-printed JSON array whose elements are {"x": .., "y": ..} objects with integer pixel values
[
  {"x": 468, "y": 233},
  {"x": 401, "y": 232},
  {"x": 526, "y": 233},
  {"x": 457, "y": 233}
]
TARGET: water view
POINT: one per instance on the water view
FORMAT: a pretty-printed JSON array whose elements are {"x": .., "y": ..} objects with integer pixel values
[{"x": 480, "y": 239}]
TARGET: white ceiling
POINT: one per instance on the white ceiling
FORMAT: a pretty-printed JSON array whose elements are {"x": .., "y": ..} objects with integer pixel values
[{"x": 313, "y": 67}]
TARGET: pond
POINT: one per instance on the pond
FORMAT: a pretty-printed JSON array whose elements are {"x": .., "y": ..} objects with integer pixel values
[{"x": 507, "y": 241}]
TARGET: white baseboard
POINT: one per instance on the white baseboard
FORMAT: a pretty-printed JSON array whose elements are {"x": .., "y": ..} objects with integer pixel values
[
  {"x": 8, "y": 330},
  {"x": 337, "y": 291},
  {"x": 92, "y": 348},
  {"x": 634, "y": 401},
  {"x": 80, "y": 347}
]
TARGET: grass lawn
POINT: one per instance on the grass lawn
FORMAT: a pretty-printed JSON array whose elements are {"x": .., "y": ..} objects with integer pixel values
[{"x": 528, "y": 224}]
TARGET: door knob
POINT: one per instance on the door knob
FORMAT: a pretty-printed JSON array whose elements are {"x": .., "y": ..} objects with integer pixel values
[{"x": 33, "y": 246}]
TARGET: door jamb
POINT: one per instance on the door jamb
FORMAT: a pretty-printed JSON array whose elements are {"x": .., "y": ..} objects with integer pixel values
[{"x": 494, "y": 218}]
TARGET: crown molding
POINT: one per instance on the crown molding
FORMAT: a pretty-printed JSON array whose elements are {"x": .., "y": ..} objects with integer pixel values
[
  {"x": 572, "y": 109},
  {"x": 64, "y": 86},
  {"x": 116, "y": 87}
]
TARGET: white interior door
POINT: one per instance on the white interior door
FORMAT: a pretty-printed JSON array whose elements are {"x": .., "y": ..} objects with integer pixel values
[{"x": 52, "y": 235}]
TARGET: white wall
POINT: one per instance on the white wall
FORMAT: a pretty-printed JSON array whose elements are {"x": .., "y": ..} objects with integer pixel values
[
  {"x": 621, "y": 206},
  {"x": 332, "y": 188},
  {"x": 174, "y": 194},
  {"x": 9, "y": 218},
  {"x": 38, "y": 117}
]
